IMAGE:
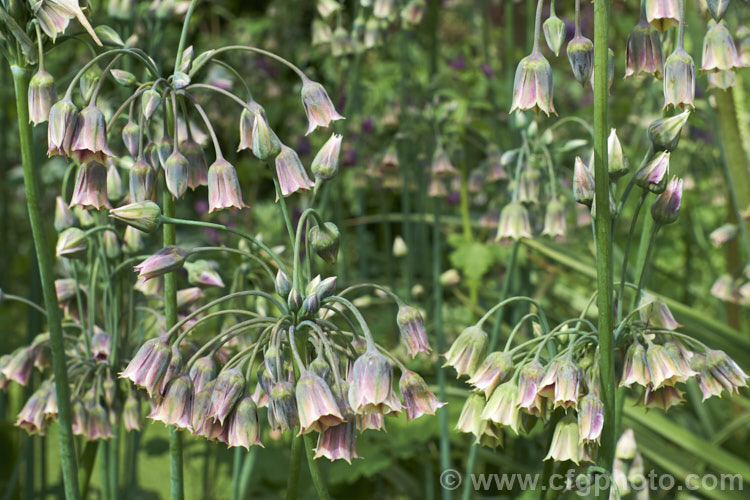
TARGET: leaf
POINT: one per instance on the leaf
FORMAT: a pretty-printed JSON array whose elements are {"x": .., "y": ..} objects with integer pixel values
[
  {"x": 472, "y": 258},
  {"x": 27, "y": 46}
]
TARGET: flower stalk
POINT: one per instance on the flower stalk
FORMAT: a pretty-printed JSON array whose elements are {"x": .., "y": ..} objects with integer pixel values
[
  {"x": 69, "y": 466},
  {"x": 603, "y": 231}
]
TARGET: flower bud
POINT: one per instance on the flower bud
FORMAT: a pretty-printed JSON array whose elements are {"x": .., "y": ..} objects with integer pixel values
[
  {"x": 532, "y": 86},
  {"x": 142, "y": 215},
  {"x": 89, "y": 142},
  {"x": 88, "y": 82},
  {"x": 325, "y": 241},
  {"x": 283, "y": 284},
  {"x": 177, "y": 405},
  {"x": 188, "y": 296},
  {"x": 528, "y": 186},
  {"x": 717, "y": 8},
  {"x": 665, "y": 133},
  {"x": 131, "y": 135},
  {"x": 514, "y": 222},
  {"x": 643, "y": 53},
  {"x": 441, "y": 166},
  {"x": 131, "y": 413},
  {"x": 663, "y": 14},
  {"x": 554, "y": 33},
  {"x": 418, "y": 398},
  {"x": 133, "y": 241},
  {"x": 294, "y": 300},
  {"x": 467, "y": 351},
  {"x": 291, "y": 173},
  {"x": 617, "y": 164},
  {"x": 111, "y": 245},
  {"x": 85, "y": 219},
  {"x": 282, "y": 406},
  {"x": 197, "y": 167},
  {"x": 164, "y": 261},
  {"x": 150, "y": 101},
  {"x": 42, "y": 93},
  {"x": 311, "y": 304},
  {"x": 326, "y": 287},
  {"x": 325, "y": 165},
  {"x": 411, "y": 327},
  {"x": 318, "y": 106},
  {"x": 202, "y": 372},
  {"x": 124, "y": 78},
  {"x": 653, "y": 176},
  {"x": 223, "y": 187},
  {"x": 203, "y": 272},
  {"x": 581, "y": 56},
  {"x": 64, "y": 218},
  {"x": 321, "y": 32},
  {"x": 583, "y": 183},
  {"x": 725, "y": 370},
  {"x": 115, "y": 190},
  {"x": 635, "y": 369},
  {"x": 176, "y": 174},
  {"x": 719, "y": 52},
  {"x": 72, "y": 244},
  {"x": 246, "y": 129},
  {"x": 590, "y": 419},
  {"x": 654, "y": 312},
  {"x": 679, "y": 80},
  {"x": 63, "y": 119},
  {"x": 19, "y": 366},
  {"x": 413, "y": 12},
  {"x": 266, "y": 144},
  {"x": 142, "y": 182},
  {"x": 529, "y": 378},
  {"x": 164, "y": 148},
  {"x": 666, "y": 208}
]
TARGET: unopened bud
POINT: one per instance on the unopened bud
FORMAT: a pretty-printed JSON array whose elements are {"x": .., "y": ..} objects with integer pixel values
[{"x": 325, "y": 241}]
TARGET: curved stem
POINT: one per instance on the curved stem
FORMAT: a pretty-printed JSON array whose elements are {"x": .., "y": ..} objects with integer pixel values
[
  {"x": 183, "y": 35},
  {"x": 21, "y": 79},
  {"x": 23, "y": 300},
  {"x": 248, "y": 48},
  {"x": 626, "y": 256}
]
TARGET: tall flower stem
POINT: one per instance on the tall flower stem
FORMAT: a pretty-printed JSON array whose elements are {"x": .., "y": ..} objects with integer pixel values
[
  {"x": 317, "y": 477},
  {"x": 295, "y": 461},
  {"x": 494, "y": 338},
  {"x": 21, "y": 78},
  {"x": 603, "y": 232}
]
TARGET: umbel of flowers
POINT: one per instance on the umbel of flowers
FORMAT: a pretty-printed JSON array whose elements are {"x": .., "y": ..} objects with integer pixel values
[{"x": 300, "y": 351}]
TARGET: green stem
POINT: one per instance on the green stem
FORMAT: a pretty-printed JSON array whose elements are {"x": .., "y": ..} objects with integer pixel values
[
  {"x": 183, "y": 35},
  {"x": 317, "y": 477},
  {"x": 170, "y": 315},
  {"x": 247, "y": 471},
  {"x": 21, "y": 78},
  {"x": 626, "y": 256},
  {"x": 603, "y": 233},
  {"x": 295, "y": 463},
  {"x": 88, "y": 458}
]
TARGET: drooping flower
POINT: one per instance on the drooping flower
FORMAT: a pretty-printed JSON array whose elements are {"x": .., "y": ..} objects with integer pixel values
[
  {"x": 418, "y": 398},
  {"x": 590, "y": 418},
  {"x": 282, "y": 406},
  {"x": 228, "y": 389},
  {"x": 316, "y": 404},
  {"x": 89, "y": 142},
  {"x": 565, "y": 443},
  {"x": 42, "y": 93},
  {"x": 514, "y": 222},
  {"x": 653, "y": 176},
  {"x": 223, "y": 187},
  {"x": 371, "y": 384},
  {"x": 91, "y": 187},
  {"x": 583, "y": 183},
  {"x": 561, "y": 383},
  {"x": 467, "y": 351},
  {"x": 663, "y": 14},
  {"x": 325, "y": 165},
  {"x": 719, "y": 52},
  {"x": 243, "y": 428},
  {"x": 318, "y": 106},
  {"x": 177, "y": 404},
  {"x": 643, "y": 52},
  {"x": 581, "y": 57},
  {"x": 654, "y": 312},
  {"x": 554, "y": 219},
  {"x": 496, "y": 368},
  {"x": 529, "y": 378},
  {"x": 502, "y": 407},
  {"x": 291, "y": 173},
  {"x": 63, "y": 121},
  {"x": 337, "y": 443},
  {"x": 176, "y": 169},
  {"x": 412, "y": 330},
  {"x": 532, "y": 86},
  {"x": 679, "y": 80},
  {"x": 149, "y": 365}
]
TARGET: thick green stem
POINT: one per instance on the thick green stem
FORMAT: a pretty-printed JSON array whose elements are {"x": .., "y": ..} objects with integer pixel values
[
  {"x": 170, "y": 315},
  {"x": 88, "y": 458},
  {"x": 295, "y": 463},
  {"x": 603, "y": 232},
  {"x": 317, "y": 477},
  {"x": 21, "y": 78}
]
